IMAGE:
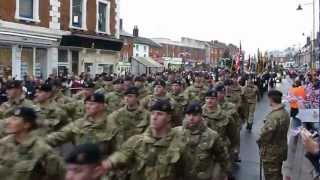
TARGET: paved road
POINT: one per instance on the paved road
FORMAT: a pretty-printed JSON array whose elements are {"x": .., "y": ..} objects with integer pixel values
[{"x": 249, "y": 168}]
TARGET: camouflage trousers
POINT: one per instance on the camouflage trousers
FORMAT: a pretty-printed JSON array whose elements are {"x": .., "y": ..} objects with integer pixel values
[
  {"x": 252, "y": 108},
  {"x": 272, "y": 170}
]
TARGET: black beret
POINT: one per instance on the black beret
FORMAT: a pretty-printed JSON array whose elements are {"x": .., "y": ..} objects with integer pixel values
[
  {"x": 160, "y": 83},
  {"x": 108, "y": 78},
  {"x": 97, "y": 98},
  {"x": 211, "y": 93},
  {"x": 46, "y": 87},
  {"x": 26, "y": 113},
  {"x": 219, "y": 88},
  {"x": 193, "y": 108},
  {"x": 118, "y": 81},
  {"x": 276, "y": 93},
  {"x": 88, "y": 85},
  {"x": 14, "y": 84},
  {"x": 162, "y": 105},
  {"x": 132, "y": 90},
  {"x": 84, "y": 154}
]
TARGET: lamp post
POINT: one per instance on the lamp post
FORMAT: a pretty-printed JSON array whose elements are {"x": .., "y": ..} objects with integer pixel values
[{"x": 313, "y": 38}]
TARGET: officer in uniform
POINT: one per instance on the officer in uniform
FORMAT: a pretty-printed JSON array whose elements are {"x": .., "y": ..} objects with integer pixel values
[
  {"x": 84, "y": 163},
  {"x": 181, "y": 103},
  {"x": 24, "y": 156},
  {"x": 250, "y": 93},
  {"x": 16, "y": 98},
  {"x": 92, "y": 128},
  {"x": 205, "y": 156},
  {"x": 155, "y": 154},
  {"x": 115, "y": 97},
  {"x": 273, "y": 138},
  {"x": 197, "y": 91},
  {"x": 51, "y": 116}
]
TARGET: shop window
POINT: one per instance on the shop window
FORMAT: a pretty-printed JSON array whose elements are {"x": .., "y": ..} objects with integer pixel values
[
  {"x": 26, "y": 62},
  {"x": 5, "y": 62}
]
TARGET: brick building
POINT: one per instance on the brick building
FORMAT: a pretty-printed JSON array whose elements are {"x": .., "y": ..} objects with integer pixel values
[{"x": 42, "y": 37}]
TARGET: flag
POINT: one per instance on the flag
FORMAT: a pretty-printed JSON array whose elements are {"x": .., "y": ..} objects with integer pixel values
[{"x": 238, "y": 58}]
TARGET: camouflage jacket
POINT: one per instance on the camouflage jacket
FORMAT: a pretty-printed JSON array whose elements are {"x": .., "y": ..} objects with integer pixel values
[
  {"x": 235, "y": 96},
  {"x": 7, "y": 108},
  {"x": 250, "y": 93},
  {"x": 151, "y": 158},
  {"x": 205, "y": 149},
  {"x": 193, "y": 93},
  {"x": 148, "y": 101},
  {"x": 115, "y": 101},
  {"x": 129, "y": 123},
  {"x": 31, "y": 160},
  {"x": 273, "y": 137},
  {"x": 85, "y": 130},
  {"x": 181, "y": 104}
]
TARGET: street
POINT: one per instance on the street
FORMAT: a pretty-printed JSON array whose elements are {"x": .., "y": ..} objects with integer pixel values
[{"x": 249, "y": 168}]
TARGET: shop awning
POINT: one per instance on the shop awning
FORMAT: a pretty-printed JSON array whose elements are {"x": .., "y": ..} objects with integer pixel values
[
  {"x": 92, "y": 41},
  {"x": 148, "y": 62}
]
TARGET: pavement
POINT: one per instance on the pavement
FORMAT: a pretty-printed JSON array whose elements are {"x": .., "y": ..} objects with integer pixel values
[{"x": 249, "y": 168}]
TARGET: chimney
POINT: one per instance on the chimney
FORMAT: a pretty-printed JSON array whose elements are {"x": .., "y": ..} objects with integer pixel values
[
  {"x": 136, "y": 31},
  {"x": 121, "y": 24}
]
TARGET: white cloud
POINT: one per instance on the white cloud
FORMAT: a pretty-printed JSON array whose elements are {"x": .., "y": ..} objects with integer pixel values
[{"x": 264, "y": 24}]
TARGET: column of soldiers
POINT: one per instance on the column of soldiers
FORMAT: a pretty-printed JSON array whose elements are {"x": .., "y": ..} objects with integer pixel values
[{"x": 155, "y": 129}]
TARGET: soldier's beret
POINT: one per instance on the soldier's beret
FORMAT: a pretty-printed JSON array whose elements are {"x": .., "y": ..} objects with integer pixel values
[
  {"x": 162, "y": 105},
  {"x": 211, "y": 93},
  {"x": 26, "y": 113},
  {"x": 84, "y": 154},
  {"x": 219, "y": 88},
  {"x": 46, "y": 87},
  {"x": 275, "y": 93},
  {"x": 160, "y": 83},
  {"x": 88, "y": 85},
  {"x": 107, "y": 78},
  {"x": 118, "y": 81},
  {"x": 14, "y": 84},
  {"x": 139, "y": 78},
  {"x": 193, "y": 108},
  {"x": 97, "y": 98},
  {"x": 132, "y": 90}
]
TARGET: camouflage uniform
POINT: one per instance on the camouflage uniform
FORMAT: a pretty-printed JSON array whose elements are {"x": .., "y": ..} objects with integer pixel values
[
  {"x": 195, "y": 93},
  {"x": 181, "y": 103},
  {"x": 151, "y": 158},
  {"x": 205, "y": 157},
  {"x": 273, "y": 142},
  {"x": 51, "y": 117},
  {"x": 115, "y": 101},
  {"x": 31, "y": 160},
  {"x": 224, "y": 125},
  {"x": 143, "y": 92},
  {"x": 85, "y": 130},
  {"x": 105, "y": 89},
  {"x": 148, "y": 101},
  {"x": 250, "y": 94},
  {"x": 8, "y": 107}
]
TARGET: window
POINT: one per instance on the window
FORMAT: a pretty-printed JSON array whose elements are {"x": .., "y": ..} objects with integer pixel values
[
  {"x": 63, "y": 56},
  {"x": 78, "y": 14},
  {"x": 103, "y": 14},
  {"x": 27, "y": 10},
  {"x": 137, "y": 47},
  {"x": 145, "y": 48}
]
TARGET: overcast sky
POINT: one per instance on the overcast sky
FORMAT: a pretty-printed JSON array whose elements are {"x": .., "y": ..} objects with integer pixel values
[{"x": 264, "y": 24}]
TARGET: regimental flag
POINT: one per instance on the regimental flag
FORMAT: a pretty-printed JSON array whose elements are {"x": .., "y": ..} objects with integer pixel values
[{"x": 238, "y": 58}]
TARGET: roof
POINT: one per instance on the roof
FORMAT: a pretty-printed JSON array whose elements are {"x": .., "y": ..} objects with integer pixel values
[
  {"x": 142, "y": 40},
  {"x": 148, "y": 62},
  {"x": 175, "y": 43}
]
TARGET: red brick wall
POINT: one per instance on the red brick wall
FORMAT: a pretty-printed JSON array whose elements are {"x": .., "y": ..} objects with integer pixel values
[
  {"x": 8, "y": 9},
  {"x": 127, "y": 49}
]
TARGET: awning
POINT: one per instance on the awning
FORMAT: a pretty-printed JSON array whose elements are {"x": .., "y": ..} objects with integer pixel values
[
  {"x": 92, "y": 41},
  {"x": 148, "y": 62}
]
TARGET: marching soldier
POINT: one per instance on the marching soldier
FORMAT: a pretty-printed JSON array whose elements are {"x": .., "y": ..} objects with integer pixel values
[
  {"x": 16, "y": 98},
  {"x": 204, "y": 148},
  {"x": 273, "y": 139},
  {"x": 250, "y": 93},
  {"x": 24, "y": 156},
  {"x": 51, "y": 116},
  {"x": 197, "y": 91},
  {"x": 115, "y": 97},
  {"x": 106, "y": 86},
  {"x": 92, "y": 128},
  {"x": 78, "y": 104},
  {"x": 139, "y": 82},
  {"x": 155, "y": 154},
  {"x": 181, "y": 103}
]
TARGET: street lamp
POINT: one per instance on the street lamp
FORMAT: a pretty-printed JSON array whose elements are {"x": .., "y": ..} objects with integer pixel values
[{"x": 313, "y": 31}]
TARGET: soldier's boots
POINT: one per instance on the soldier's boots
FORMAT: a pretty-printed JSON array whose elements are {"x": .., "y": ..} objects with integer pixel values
[{"x": 249, "y": 126}]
